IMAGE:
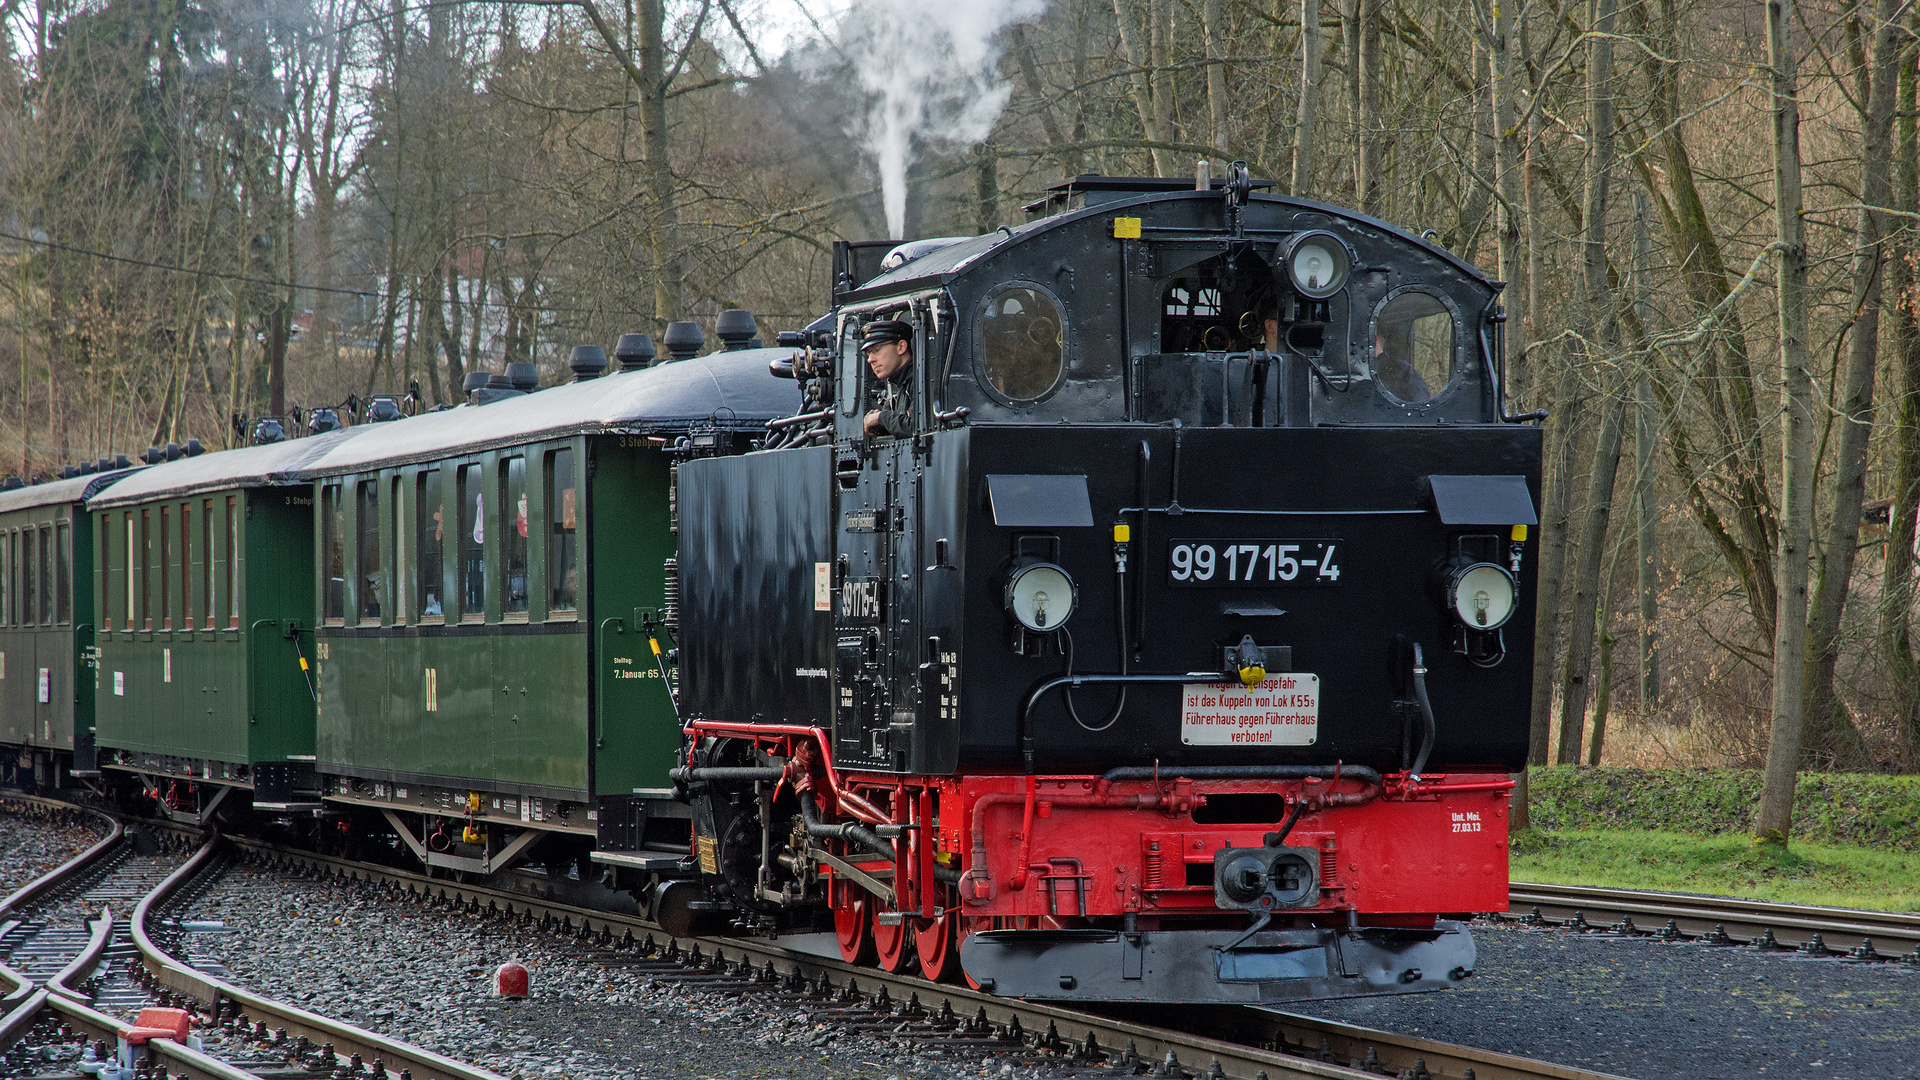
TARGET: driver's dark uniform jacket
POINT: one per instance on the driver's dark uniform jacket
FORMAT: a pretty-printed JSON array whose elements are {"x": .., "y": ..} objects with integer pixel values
[{"x": 894, "y": 401}]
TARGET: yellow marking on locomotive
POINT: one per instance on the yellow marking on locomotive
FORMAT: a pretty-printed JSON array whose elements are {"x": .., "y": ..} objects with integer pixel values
[{"x": 1126, "y": 228}]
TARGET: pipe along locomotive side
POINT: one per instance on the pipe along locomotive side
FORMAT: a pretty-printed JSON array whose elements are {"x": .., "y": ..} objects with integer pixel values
[
  {"x": 1174, "y": 649},
  {"x": 1157, "y": 651}
]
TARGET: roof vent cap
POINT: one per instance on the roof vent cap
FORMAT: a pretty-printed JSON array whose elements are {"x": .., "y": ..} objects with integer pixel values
[
  {"x": 475, "y": 380},
  {"x": 121, "y": 461},
  {"x": 12, "y": 482},
  {"x": 174, "y": 451},
  {"x": 322, "y": 420},
  {"x": 85, "y": 468},
  {"x": 634, "y": 351},
  {"x": 270, "y": 430},
  {"x": 153, "y": 455},
  {"x": 587, "y": 361},
  {"x": 523, "y": 377},
  {"x": 194, "y": 449},
  {"x": 735, "y": 329},
  {"x": 383, "y": 409},
  {"x": 684, "y": 340}
]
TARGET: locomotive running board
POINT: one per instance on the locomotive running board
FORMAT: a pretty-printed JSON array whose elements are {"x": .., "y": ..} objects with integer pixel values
[{"x": 1272, "y": 966}]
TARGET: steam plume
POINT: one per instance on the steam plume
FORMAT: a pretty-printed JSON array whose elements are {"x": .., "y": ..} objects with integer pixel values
[{"x": 930, "y": 69}]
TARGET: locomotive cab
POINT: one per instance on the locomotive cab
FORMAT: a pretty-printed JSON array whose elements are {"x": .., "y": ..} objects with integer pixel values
[{"x": 1170, "y": 653}]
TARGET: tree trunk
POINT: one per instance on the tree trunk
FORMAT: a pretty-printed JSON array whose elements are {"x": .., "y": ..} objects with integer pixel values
[
  {"x": 1368, "y": 184},
  {"x": 1645, "y": 443},
  {"x": 986, "y": 187},
  {"x": 1586, "y": 588},
  {"x": 1309, "y": 114},
  {"x": 1214, "y": 26},
  {"x": 1774, "y": 823},
  {"x": 1832, "y": 738},
  {"x": 1597, "y": 332},
  {"x": 1904, "y": 519},
  {"x": 669, "y": 288},
  {"x": 1139, "y": 81},
  {"x": 1506, "y": 153}
]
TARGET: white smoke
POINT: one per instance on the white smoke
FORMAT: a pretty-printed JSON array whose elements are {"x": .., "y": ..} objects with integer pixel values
[{"x": 930, "y": 67}]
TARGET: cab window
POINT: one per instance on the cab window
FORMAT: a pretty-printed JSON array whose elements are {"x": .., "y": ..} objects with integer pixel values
[
  {"x": 1022, "y": 344},
  {"x": 1413, "y": 347}
]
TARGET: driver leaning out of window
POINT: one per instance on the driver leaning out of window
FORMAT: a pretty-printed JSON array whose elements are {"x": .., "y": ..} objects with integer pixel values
[{"x": 888, "y": 347}]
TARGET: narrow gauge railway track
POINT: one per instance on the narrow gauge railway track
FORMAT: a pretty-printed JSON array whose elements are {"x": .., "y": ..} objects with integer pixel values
[
  {"x": 91, "y": 984},
  {"x": 1718, "y": 920},
  {"x": 1231, "y": 1041}
]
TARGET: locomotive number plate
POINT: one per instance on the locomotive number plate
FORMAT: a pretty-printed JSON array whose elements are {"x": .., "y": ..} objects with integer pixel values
[
  {"x": 1266, "y": 561},
  {"x": 1284, "y": 710}
]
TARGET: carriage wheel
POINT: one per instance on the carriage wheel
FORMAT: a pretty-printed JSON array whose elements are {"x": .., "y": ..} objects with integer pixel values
[
  {"x": 854, "y": 929},
  {"x": 894, "y": 945},
  {"x": 939, "y": 948}
]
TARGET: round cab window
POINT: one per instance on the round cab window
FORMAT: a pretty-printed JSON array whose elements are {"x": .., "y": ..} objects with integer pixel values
[
  {"x": 1023, "y": 351},
  {"x": 1413, "y": 347}
]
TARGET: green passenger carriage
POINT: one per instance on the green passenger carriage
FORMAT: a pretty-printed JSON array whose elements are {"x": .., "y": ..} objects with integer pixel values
[
  {"x": 47, "y": 629},
  {"x": 484, "y": 581},
  {"x": 205, "y": 628}
]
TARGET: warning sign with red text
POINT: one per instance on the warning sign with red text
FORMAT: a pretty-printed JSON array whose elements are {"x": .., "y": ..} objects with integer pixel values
[{"x": 1284, "y": 710}]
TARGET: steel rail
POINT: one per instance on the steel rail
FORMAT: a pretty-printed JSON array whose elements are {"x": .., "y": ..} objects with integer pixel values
[
  {"x": 1696, "y": 917},
  {"x": 346, "y": 1039},
  {"x": 26, "y": 998},
  {"x": 1236, "y": 1037}
]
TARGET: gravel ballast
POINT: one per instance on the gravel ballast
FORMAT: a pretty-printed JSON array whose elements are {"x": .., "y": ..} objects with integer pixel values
[
  {"x": 1657, "y": 1011},
  {"x": 31, "y": 846},
  {"x": 424, "y": 974}
]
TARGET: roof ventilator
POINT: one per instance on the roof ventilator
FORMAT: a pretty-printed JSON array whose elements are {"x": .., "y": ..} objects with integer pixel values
[
  {"x": 587, "y": 362},
  {"x": 635, "y": 351},
  {"x": 684, "y": 340},
  {"x": 736, "y": 329}
]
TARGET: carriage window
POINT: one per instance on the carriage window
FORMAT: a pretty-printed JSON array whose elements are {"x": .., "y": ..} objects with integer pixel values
[
  {"x": 186, "y": 566},
  {"x": 513, "y": 535},
  {"x": 1413, "y": 347},
  {"x": 233, "y": 562},
  {"x": 332, "y": 526},
  {"x": 6, "y": 582},
  {"x": 62, "y": 574},
  {"x": 29, "y": 576},
  {"x": 473, "y": 543},
  {"x": 166, "y": 568},
  {"x": 129, "y": 611},
  {"x": 429, "y": 536},
  {"x": 563, "y": 523},
  {"x": 1022, "y": 347},
  {"x": 395, "y": 499},
  {"x": 367, "y": 573},
  {"x": 206, "y": 562}
]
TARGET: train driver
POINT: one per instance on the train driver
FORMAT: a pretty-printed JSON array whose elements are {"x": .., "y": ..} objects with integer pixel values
[{"x": 888, "y": 346}]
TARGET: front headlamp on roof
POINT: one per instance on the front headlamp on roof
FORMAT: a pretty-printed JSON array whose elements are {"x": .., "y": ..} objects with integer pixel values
[{"x": 1317, "y": 264}]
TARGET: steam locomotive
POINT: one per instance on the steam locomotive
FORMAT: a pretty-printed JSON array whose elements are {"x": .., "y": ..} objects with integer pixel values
[
  {"x": 1177, "y": 652},
  {"x": 1171, "y": 644}
]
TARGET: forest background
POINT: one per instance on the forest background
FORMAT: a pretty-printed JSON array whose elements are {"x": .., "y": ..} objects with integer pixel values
[{"x": 214, "y": 210}]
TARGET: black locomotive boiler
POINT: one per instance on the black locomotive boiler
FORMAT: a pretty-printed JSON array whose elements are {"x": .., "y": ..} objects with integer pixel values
[{"x": 1172, "y": 646}]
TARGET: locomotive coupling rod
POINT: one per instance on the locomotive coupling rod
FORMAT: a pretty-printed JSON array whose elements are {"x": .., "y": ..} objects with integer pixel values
[{"x": 724, "y": 773}]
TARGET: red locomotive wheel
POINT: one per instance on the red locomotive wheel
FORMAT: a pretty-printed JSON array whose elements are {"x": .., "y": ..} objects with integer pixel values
[
  {"x": 854, "y": 929},
  {"x": 894, "y": 944},
  {"x": 939, "y": 950}
]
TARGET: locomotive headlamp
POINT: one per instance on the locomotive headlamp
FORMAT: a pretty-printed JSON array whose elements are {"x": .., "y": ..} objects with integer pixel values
[
  {"x": 1317, "y": 264},
  {"x": 1040, "y": 596},
  {"x": 1482, "y": 595}
]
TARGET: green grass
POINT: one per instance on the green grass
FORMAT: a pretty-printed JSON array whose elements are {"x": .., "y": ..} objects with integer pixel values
[{"x": 1729, "y": 864}]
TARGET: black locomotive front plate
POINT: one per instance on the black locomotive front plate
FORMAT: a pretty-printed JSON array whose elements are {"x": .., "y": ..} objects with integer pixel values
[{"x": 1244, "y": 561}]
